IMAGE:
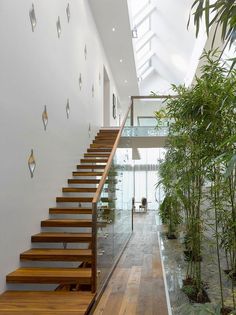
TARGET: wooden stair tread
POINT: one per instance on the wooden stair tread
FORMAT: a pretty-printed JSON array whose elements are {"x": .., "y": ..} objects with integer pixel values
[
  {"x": 115, "y": 130},
  {"x": 51, "y": 254},
  {"x": 101, "y": 145},
  {"x": 66, "y": 223},
  {"x": 104, "y": 138},
  {"x": 87, "y": 173},
  {"x": 54, "y": 302},
  {"x": 83, "y": 181},
  {"x": 50, "y": 275},
  {"x": 56, "y": 237},
  {"x": 93, "y": 160},
  {"x": 104, "y": 141},
  {"x": 94, "y": 154},
  {"x": 70, "y": 210},
  {"x": 79, "y": 190},
  {"x": 91, "y": 166},
  {"x": 98, "y": 150},
  {"x": 74, "y": 199}
]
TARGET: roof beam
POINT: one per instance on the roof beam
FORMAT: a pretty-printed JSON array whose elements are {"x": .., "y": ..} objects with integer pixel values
[
  {"x": 144, "y": 40},
  {"x": 147, "y": 11},
  {"x": 145, "y": 59},
  {"x": 147, "y": 73}
]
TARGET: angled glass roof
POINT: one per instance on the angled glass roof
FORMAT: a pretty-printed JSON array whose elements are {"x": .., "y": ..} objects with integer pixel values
[
  {"x": 163, "y": 46},
  {"x": 141, "y": 17}
]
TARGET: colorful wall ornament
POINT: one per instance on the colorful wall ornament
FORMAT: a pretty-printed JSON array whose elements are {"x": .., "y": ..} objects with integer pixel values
[
  {"x": 32, "y": 16},
  {"x": 31, "y": 163},
  {"x": 45, "y": 117}
]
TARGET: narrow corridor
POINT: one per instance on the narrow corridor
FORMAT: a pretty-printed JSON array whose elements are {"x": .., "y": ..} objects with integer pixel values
[{"x": 137, "y": 286}]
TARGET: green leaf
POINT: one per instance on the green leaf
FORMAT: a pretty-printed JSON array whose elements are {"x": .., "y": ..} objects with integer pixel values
[{"x": 207, "y": 13}]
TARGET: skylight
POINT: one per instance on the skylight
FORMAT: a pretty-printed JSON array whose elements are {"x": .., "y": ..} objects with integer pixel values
[{"x": 141, "y": 19}]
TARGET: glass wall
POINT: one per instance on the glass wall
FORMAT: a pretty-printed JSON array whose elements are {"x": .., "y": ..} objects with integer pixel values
[
  {"x": 146, "y": 177},
  {"x": 114, "y": 212}
]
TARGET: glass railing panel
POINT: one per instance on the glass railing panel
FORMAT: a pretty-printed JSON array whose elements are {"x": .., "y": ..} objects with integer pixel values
[
  {"x": 146, "y": 131},
  {"x": 128, "y": 120},
  {"x": 114, "y": 211},
  {"x": 144, "y": 112}
]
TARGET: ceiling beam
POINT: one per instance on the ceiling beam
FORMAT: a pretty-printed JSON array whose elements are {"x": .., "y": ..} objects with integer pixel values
[
  {"x": 145, "y": 59},
  {"x": 145, "y": 13},
  {"x": 144, "y": 40}
]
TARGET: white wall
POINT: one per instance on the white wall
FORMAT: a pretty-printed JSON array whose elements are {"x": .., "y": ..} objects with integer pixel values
[
  {"x": 39, "y": 69},
  {"x": 146, "y": 108}
]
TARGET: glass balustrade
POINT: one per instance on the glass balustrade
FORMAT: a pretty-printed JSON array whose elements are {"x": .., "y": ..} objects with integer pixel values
[
  {"x": 114, "y": 211},
  {"x": 113, "y": 204}
]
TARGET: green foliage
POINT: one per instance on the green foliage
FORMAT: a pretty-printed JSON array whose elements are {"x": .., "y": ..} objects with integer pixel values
[
  {"x": 169, "y": 212},
  {"x": 222, "y": 13},
  {"x": 202, "y": 149}
]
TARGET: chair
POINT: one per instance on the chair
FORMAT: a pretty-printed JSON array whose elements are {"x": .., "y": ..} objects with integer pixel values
[{"x": 143, "y": 204}]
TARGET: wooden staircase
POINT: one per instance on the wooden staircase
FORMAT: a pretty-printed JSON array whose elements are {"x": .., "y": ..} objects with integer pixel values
[{"x": 69, "y": 296}]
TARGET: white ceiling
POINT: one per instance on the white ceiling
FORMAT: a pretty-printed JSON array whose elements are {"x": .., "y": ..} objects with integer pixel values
[
  {"x": 109, "y": 14},
  {"x": 173, "y": 51},
  {"x": 171, "y": 45}
]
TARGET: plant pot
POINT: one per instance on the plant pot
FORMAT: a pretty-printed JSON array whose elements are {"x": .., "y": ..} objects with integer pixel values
[
  {"x": 194, "y": 295},
  {"x": 226, "y": 310},
  {"x": 171, "y": 236}
]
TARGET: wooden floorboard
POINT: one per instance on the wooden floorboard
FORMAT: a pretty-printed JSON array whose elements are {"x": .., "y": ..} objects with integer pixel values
[{"x": 137, "y": 285}]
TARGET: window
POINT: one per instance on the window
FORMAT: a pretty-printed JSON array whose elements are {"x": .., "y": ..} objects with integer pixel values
[
  {"x": 144, "y": 67},
  {"x": 138, "y": 5},
  {"x": 143, "y": 51},
  {"x": 144, "y": 27}
]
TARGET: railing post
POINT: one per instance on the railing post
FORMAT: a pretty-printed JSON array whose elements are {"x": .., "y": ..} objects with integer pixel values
[{"x": 94, "y": 247}]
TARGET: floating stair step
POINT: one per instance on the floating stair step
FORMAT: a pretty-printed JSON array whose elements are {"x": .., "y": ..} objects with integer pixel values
[
  {"x": 72, "y": 210},
  {"x": 87, "y": 173},
  {"x": 108, "y": 134},
  {"x": 93, "y": 160},
  {"x": 83, "y": 181},
  {"x": 74, "y": 199},
  {"x": 49, "y": 254},
  {"x": 45, "y": 302},
  {"x": 104, "y": 141},
  {"x": 66, "y": 223},
  {"x": 50, "y": 275},
  {"x": 95, "y": 166},
  {"x": 97, "y": 155},
  {"x": 109, "y": 130},
  {"x": 101, "y": 145},
  {"x": 106, "y": 137},
  {"x": 99, "y": 150},
  {"x": 78, "y": 190},
  {"x": 50, "y": 237}
]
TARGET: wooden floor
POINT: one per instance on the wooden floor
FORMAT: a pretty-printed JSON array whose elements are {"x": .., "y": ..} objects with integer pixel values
[{"x": 137, "y": 286}]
